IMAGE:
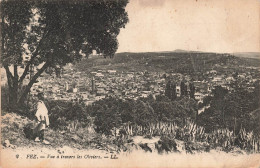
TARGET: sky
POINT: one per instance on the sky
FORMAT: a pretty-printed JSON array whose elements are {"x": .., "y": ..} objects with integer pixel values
[{"x": 198, "y": 25}]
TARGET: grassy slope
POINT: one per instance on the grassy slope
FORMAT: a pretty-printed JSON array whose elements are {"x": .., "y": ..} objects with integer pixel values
[{"x": 12, "y": 129}]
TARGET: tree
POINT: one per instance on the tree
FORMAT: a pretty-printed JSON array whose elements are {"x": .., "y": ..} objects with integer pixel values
[
  {"x": 64, "y": 112},
  {"x": 162, "y": 98},
  {"x": 170, "y": 90},
  {"x": 14, "y": 19},
  {"x": 214, "y": 116},
  {"x": 189, "y": 107},
  {"x": 126, "y": 109},
  {"x": 183, "y": 89},
  {"x": 173, "y": 92},
  {"x": 54, "y": 33},
  {"x": 107, "y": 115},
  {"x": 143, "y": 113},
  {"x": 219, "y": 92},
  {"x": 163, "y": 110},
  {"x": 238, "y": 108},
  {"x": 234, "y": 110},
  {"x": 192, "y": 90}
]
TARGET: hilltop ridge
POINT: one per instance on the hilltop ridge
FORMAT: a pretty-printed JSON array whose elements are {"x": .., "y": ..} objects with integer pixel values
[{"x": 167, "y": 61}]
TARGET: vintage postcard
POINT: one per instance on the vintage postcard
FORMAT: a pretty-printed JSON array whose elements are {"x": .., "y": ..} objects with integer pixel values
[{"x": 130, "y": 83}]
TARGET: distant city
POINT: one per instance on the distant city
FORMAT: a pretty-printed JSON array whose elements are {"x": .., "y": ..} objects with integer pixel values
[{"x": 72, "y": 85}]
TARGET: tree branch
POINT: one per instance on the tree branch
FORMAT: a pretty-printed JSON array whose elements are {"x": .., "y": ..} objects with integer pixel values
[
  {"x": 8, "y": 72},
  {"x": 24, "y": 72},
  {"x": 15, "y": 72},
  {"x": 27, "y": 67},
  {"x": 33, "y": 80},
  {"x": 9, "y": 75}
]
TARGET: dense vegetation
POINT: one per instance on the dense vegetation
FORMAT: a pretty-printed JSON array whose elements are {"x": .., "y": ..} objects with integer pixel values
[
  {"x": 236, "y": 110},
  {"x": 189, "y": 63},
  {"x": 227, "y": 123},
  {"x": 112, "y": 113},
  {"x": 232, "y": 110}
]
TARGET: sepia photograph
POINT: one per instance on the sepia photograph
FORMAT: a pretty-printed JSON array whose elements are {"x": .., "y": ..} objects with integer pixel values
[{"x": 130, "y": 83}]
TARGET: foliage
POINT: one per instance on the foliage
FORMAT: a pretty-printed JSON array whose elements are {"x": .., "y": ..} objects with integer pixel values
[
  {"x": 164, "y": 111},
  {"x": 189, "y": 107},
  {"x": 233, "y": 110},
  {"x": 166, "y": 144},
  {"x": 144, "y": 113},
  {"x": 192, "y": 90},
  {"x": 107, "y": 115},
  {"x": 183, "y": 87},
  {"x": 170, "y": 90},
  {"x": 62, "y": 113},
  {"x": 53, "y": 33},
  {"x": 113, "y": 113},
  {"x": 162, "y": 98}
]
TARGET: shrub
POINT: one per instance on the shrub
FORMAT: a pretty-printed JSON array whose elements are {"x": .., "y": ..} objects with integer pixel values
[
  {"x": 62, "y": 113},
  {"x": 166, "y": 144},
  {"x": 106, "y": 120}
]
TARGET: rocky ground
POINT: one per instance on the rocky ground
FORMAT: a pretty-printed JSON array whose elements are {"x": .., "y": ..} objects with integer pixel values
[{"x": 81, "y": 148}]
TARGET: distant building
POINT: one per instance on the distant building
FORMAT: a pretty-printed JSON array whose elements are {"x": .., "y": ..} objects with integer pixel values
[
  {"x": 99, "y": 75},
  {"x": 178, "y": 91},
  {"x": 75, "y": 90},
  {"x": 111, "y": 71},
  {"x": 66, "y": 86},
  {"x": 198, "y": 96},
  {"x": 94, "y": 53}
]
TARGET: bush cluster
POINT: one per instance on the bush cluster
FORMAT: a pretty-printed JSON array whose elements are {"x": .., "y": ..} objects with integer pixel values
[
  {"x": 62, "y": 113},
  {"x": 232, "y": 110},
  {"x": 112, "y": 113},
  {"x": 166, "y": 144}
]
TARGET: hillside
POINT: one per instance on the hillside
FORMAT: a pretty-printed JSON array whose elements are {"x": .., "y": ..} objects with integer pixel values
[
  {"x": 12, "y": 128},
  {"x": 90, "y": 149},
  {"x": 180, "y": 62},
  {"x": 248, "y": 54}
]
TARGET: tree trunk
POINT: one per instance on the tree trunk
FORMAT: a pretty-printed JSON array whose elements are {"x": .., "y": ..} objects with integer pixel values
[
  {"x": 12, "y": 87},
  {"x": 13, "y": 84},
  {"x": 13, "y": 95},
  {"x": 14, "y": 90}
]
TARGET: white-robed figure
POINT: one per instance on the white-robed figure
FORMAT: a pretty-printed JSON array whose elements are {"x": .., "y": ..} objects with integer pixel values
[{"x": 42, "y": 119}]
